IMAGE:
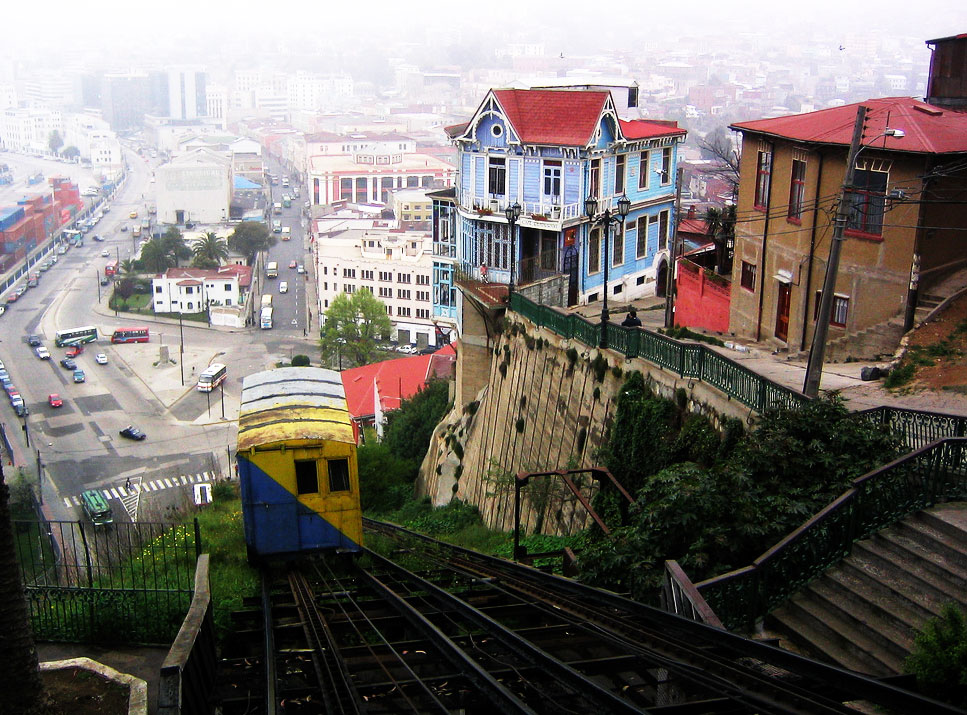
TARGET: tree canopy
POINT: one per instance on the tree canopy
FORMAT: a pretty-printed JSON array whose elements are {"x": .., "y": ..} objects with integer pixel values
[
  {"x": 408, "y": 429},
  {"x": 55, "y": 141},
  {"x": 71, "y": 152},
  {"x": 160, "y": 254},
  {"x": 250, "y": 237},
  {"x": 354, "y": 327},
  {"x": 209, "y": 251}
]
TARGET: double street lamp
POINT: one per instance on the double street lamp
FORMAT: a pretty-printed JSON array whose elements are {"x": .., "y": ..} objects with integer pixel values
[
  {"x": 606, "y": 219},
  {"x": 512, "y": 213}
]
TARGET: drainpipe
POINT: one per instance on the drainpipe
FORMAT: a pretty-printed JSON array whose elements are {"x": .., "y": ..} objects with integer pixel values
[
  {"x": 765, "y": 241},
  {"x": 812, "y": 255}
]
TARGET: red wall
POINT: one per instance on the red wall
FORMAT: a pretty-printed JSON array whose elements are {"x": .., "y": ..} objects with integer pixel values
[{"x": 700, "y": 302}]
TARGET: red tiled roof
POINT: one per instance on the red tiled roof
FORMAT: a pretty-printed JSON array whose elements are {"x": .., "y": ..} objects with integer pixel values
[
  {"x": 928, "y": 129},
  {"x": 693, "y": 225},
  {"x": 543, "y": 116},
  {"x": 397, "y": 380},
  {"x": 455, "y": 130},
  {"x": 644, "y": 129}
]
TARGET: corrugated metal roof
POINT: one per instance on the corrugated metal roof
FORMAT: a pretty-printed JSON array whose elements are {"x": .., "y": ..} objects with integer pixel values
[
  {"x": 292, "y": 403},
  {"x": 929, "y": 129}
]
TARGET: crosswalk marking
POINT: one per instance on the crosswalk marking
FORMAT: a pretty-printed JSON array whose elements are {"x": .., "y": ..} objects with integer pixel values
[{"x": 128, "y": 495}]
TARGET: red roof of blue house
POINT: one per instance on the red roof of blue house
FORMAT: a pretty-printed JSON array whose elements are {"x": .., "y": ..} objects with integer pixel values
[
  {"x": 928, "y": 129},
  {"x": 645, "y": 129},
  {"x": 551, "y": 116},
  {"x": 394, "y": 380}
]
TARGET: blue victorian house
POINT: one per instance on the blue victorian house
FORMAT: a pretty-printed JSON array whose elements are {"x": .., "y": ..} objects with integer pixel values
[{"x": 528, "y": 161}]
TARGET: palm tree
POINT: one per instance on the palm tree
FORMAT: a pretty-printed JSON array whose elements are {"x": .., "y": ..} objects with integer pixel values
[
  {"x": 209, "y": 252},
  {"x": 127, "y": 266},
  {"x": 720, "y": 227},
  {"x": 175, "y": 246},
  {"x": 157, "y": 257},
  {"x": 21, "y": 690}
]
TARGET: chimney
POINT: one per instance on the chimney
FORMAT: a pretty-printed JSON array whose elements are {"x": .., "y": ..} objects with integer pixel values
[{"x": 947, "y": 83}]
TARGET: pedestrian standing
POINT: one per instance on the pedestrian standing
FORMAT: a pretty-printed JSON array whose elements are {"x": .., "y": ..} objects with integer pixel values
[{"x": 632, "y": 321}]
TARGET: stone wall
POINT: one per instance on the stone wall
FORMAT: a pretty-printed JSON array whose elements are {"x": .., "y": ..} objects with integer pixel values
[{"x": 542, "y": 408}]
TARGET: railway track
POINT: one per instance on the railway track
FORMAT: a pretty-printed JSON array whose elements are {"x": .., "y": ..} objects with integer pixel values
[{"x": 443, "y": 630}]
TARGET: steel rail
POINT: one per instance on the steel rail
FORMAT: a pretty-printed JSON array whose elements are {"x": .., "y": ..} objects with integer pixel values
[
  {"x": 396, "y": 682},
  {"x": 334, "y": 680},
  {"x": 576, "y": 681},
  {"x": 677, "y": 633},
  {"x": 268, "y": 661}
]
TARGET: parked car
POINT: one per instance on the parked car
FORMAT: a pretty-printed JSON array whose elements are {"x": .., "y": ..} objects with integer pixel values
[
  {"x": 34, "y": 340},
  {"x": 19, "y": 407},
  {"x": 100, "y": 359},
  {"x": 79, "y": 376},
  {"x": 132, "y": 432},
  {"x": 42, "y": 352},
  {"x": 74, "y": 350},
  {"x": 68, "y": 363},
  {"x": 53, "y": 399},
  {"x": 12, "y": 298}
]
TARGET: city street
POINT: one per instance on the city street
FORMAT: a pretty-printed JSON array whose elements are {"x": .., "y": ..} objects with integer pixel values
[{"x": 190, "y": 434}]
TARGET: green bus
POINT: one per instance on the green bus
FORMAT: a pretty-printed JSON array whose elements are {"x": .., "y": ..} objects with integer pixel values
[
  {"x": 75, "y": 336},
  {"x": 97, "y": 508}
]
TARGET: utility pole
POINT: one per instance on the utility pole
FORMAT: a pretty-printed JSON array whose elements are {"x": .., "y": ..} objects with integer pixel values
[
  {"x": 817, "y": 351},
  {"x": 673, "y": 254}
]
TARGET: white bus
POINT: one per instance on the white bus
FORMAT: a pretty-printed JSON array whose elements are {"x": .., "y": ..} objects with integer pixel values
[
  {"x": 265, "y": 319},
  {"x": 213, "y": 376},
  {"x": 75, "y": 336}
]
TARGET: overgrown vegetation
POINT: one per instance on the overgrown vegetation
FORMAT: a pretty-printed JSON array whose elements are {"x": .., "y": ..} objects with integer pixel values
[
  {"x": 918, "y": 356},
  {"x": 714, "y": 501},
  {"x": 939, "y": 657},
  {"x": 680, "y": 332}
]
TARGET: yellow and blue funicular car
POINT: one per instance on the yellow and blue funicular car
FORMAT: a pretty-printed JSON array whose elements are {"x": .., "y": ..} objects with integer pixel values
[{"x": 297, "y": 464}]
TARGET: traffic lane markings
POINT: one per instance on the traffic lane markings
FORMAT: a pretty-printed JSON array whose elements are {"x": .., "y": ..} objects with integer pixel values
[{"x": 152, "y": 486}]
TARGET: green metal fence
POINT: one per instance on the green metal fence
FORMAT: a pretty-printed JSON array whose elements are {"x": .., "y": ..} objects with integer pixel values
[
  {"x": 689, "y": 360},
  {"x": 124, "y": 583},
  {"x": 930, "y": 475}
]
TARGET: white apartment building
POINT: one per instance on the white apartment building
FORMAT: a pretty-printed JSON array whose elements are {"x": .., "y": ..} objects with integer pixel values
[
  {"x": 28, "y": 130},
  {"x": 219, "y": 291},
  {"x": 395, "y": 265},
  {"x": 95, "y": 141}
]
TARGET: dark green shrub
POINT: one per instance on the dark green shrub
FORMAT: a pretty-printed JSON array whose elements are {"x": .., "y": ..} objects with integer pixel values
[
  {"x": 519, "y": 425},
  {"x": 599, "y": 366},
  {"x": 300, "y": 361},
  {"x": 458, "y": 450},
  {"x": 939, "y": 658},
  {"x": 572, "y": 356},
  {"x": 597, "y": 393}
]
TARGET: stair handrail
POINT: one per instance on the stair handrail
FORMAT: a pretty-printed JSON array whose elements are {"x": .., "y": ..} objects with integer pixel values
[{"x": 877, "y": 499}]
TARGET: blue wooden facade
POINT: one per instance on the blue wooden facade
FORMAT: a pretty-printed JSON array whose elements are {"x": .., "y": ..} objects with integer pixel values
[{"x": 547, "y": 150}]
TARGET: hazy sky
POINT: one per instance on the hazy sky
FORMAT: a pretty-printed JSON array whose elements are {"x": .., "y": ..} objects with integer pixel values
[{"x": 105, "y": 21}]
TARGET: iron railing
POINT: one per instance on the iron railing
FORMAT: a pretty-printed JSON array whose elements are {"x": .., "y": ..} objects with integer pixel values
[
  {"x": 689, "y": 360},
  {"x": 927, "y": 476},
  {"x": 918, "y": 428},
  {"x": 123, "y": 583}
]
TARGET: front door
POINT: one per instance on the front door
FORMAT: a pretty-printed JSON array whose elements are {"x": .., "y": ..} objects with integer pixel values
[
  {"x": 570, "y": 269},
  {"x": 782, "y": 312}
]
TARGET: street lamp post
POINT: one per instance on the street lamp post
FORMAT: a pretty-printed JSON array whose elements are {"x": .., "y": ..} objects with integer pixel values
[
  {"x": 606, "y": 219},
  {"x": 512, "y": 213},
  {"x": 181, "y": 336},
  {"x": 817, "y": 351}
]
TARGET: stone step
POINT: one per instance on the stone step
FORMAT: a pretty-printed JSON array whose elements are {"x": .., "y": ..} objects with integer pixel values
[
  {"x": 937, "y": 559},
  {"x": 884, "y": 561},
  {"x": 828, "y": 637},
  {"x": 907, "y": 599}
]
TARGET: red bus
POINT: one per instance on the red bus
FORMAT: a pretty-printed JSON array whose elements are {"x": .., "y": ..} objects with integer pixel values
[
  {"x": 111, "y": 268},
  {"x": 130, "y": 335}
]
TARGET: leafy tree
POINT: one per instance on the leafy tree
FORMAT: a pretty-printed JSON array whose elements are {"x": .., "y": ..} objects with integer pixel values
[
  {"x": 250, "y": 237},
  {"x": 155, "y": 257},
  {"x": 71, "y": 152},
  {"x": 127, "y": 266},
  {"x": 408, "y": 429},
  {"x": 209, "y": 252},
  {"x": 385, "y": 479},
  {"x": 125, "y": 289},
  {"x": 354, "y": 327},
  {"x": 55, "y": 141},
  {"x": 301, "y": 361},
  {"x": 21, "y": 690},
  {"x": 939, "y": 658}
]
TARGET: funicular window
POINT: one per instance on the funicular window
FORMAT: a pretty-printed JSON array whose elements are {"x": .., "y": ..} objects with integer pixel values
[
  {"x": 338, "y": 475},
  {"x": 306, "y": 480}
]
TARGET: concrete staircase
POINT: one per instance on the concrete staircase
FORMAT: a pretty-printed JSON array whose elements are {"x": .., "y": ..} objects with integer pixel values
[
  {"x": 863, "y": 614},
  {"x": 877, "y": 342}
]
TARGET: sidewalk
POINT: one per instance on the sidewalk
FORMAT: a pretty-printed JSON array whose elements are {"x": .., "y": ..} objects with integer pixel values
[{"x": 840, "y": 377}]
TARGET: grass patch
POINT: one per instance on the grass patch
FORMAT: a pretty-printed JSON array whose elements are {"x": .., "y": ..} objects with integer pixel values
[{"x": 683, "y": 333}]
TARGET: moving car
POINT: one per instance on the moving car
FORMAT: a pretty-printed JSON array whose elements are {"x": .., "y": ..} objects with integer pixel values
[
  {"x": 133, "y": 214},
  {"x": 300, "y": 269},
  {"x": 283, "y": 287},
  {"x": 53, "y": 399},
  {"x": 293, "y": 264},
  {"x": 68, "y": 363},
  {"x": 105, "y": 253},
  {"x": 132, "y": 432},
  {"x": 124, "y": 228},
  {"x": 79, "y": 376},
  {"x": 74, "y": 351},
  {"x": 42, "y": 352},
  {"x": 34, "y": 340},
  {"x": 100, "y": 359},
  {"x": 98, "y": 237}
]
